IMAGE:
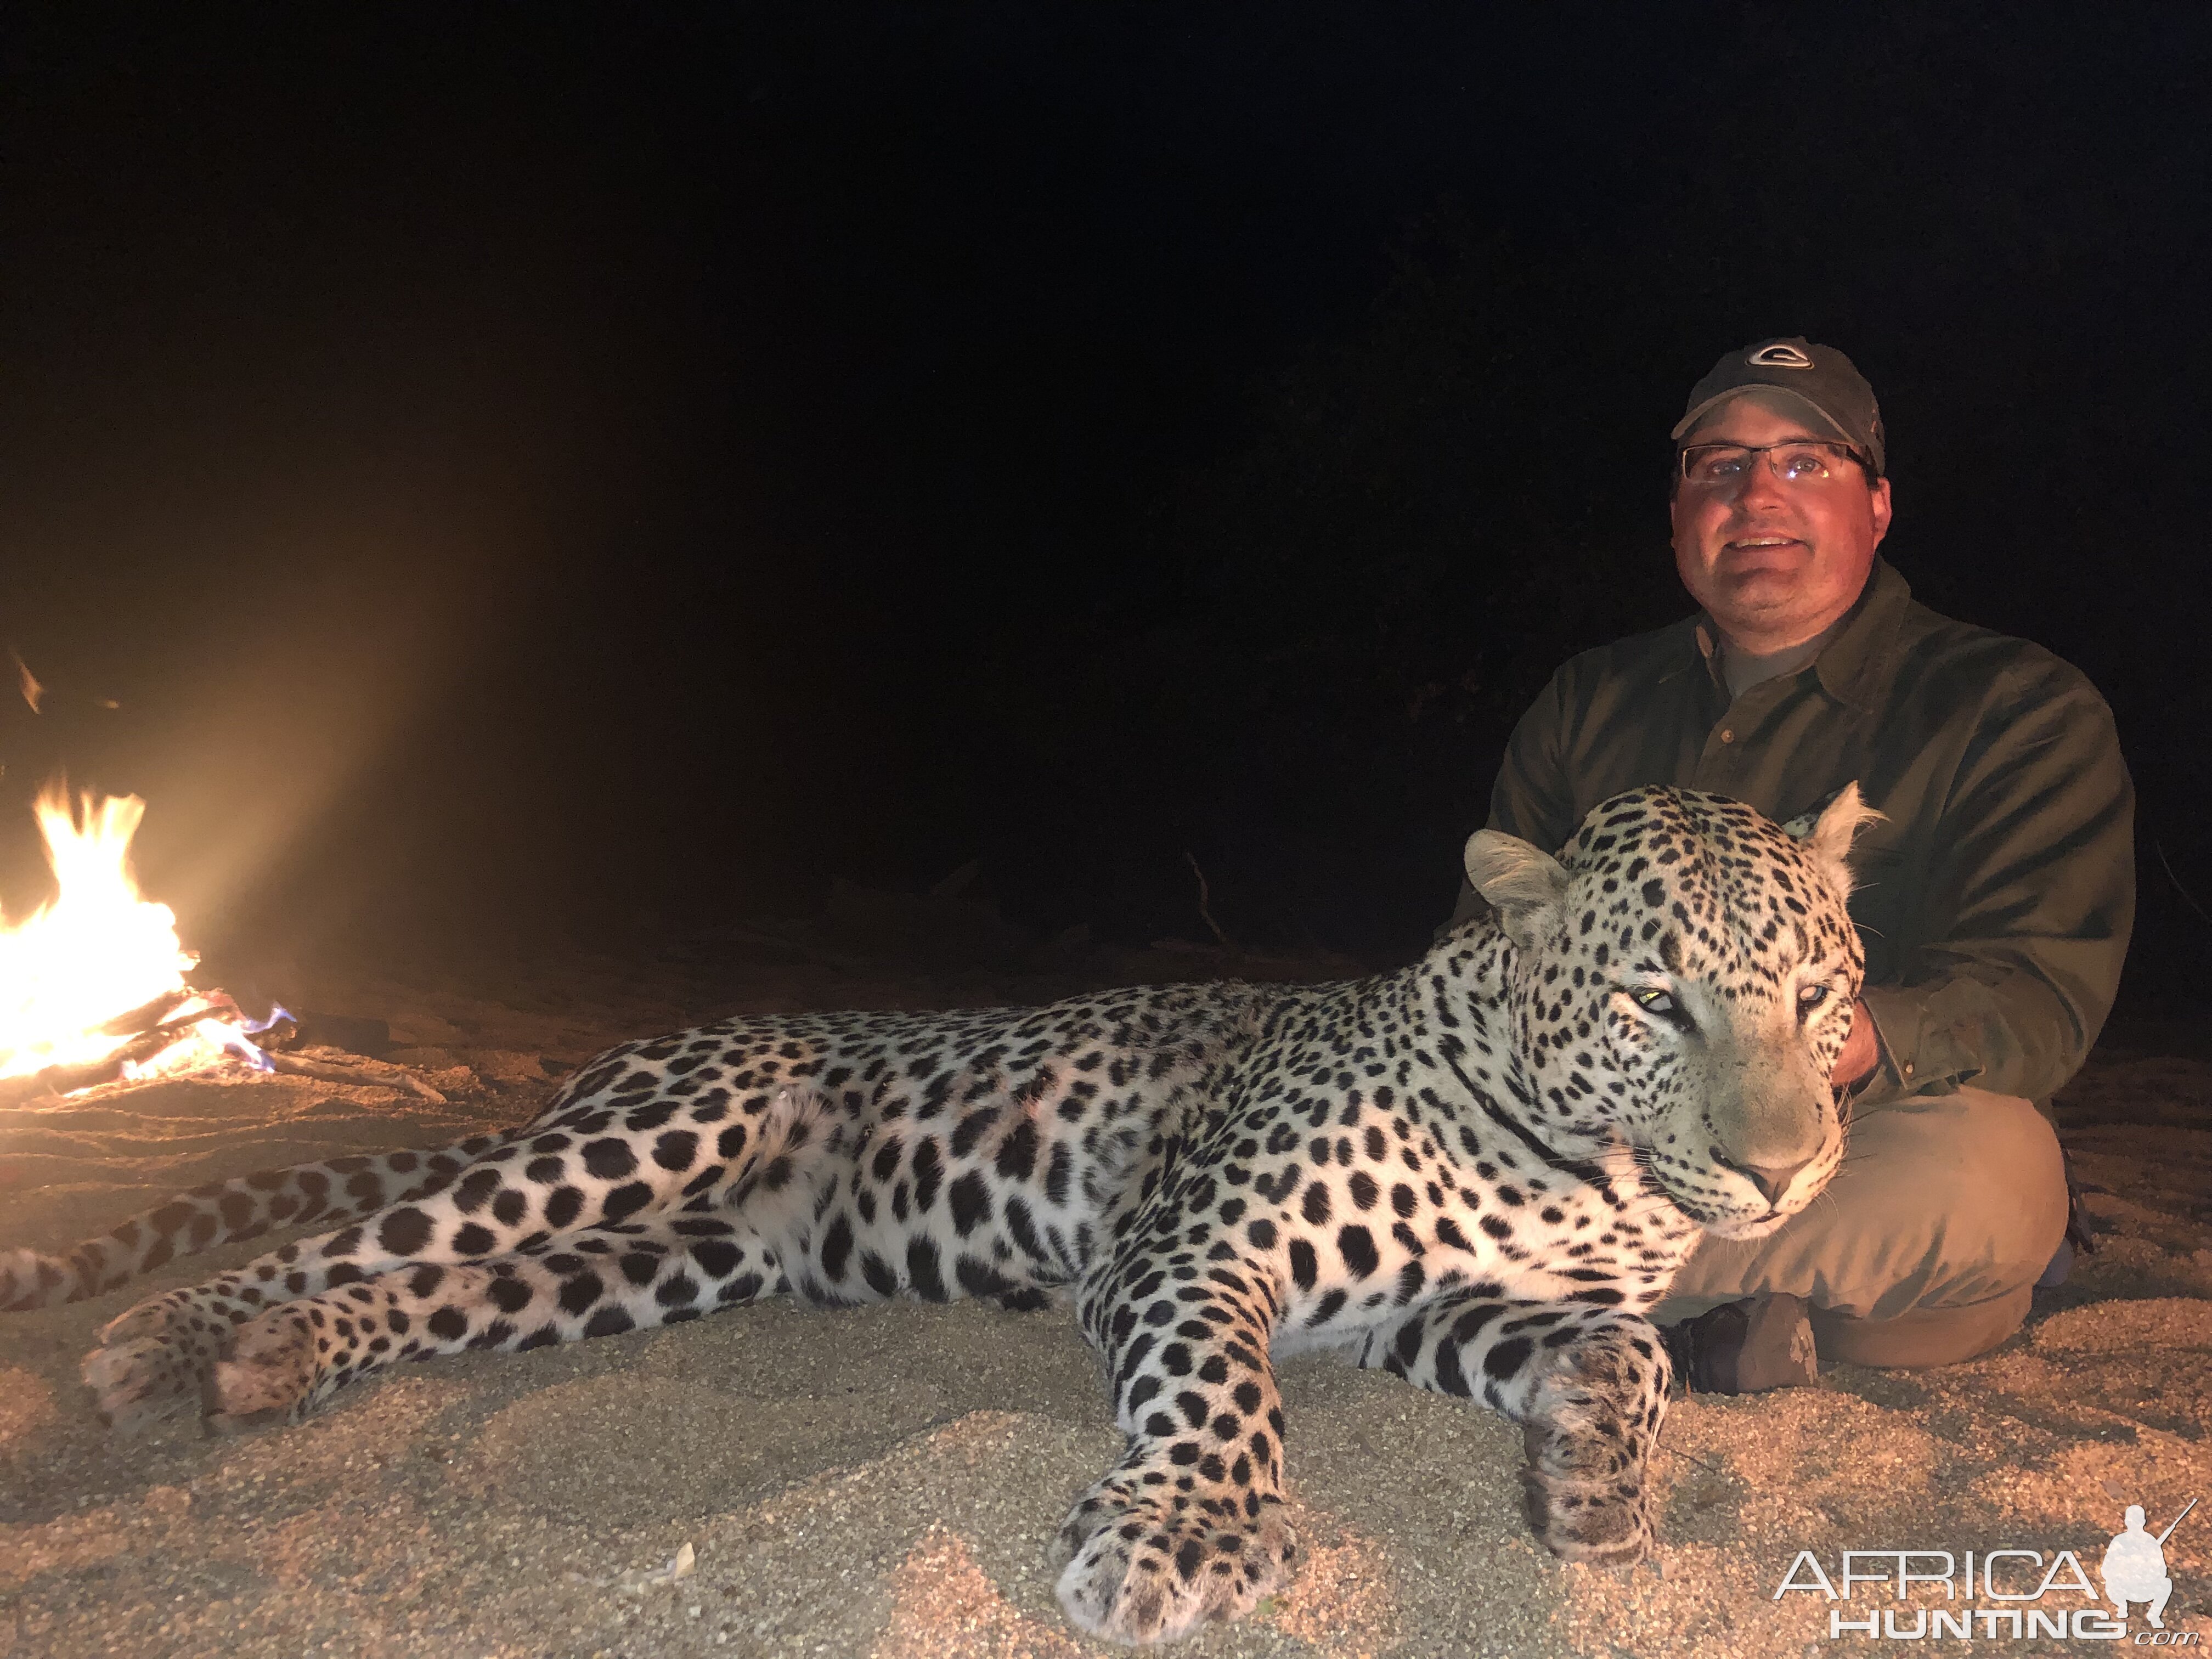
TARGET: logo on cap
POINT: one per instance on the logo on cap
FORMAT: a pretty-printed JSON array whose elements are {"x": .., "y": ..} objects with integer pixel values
[{"x": 1779, "y": 356}]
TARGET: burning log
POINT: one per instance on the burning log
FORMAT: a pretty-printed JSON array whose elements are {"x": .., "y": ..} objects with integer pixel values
[
  {"x": 148, "y": 1014},
  {"x": 149, "y": 1028},
  {"x": 325, "y": 1065},
  {"x": 68, "y": 1080}
]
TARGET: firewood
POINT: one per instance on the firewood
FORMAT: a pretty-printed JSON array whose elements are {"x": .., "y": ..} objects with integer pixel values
[
  {"x": 146, "y": 1041},
  {"x": 368, "y": 1074},
  {"x": 172, "y": 1016},
  {"x": 146, "y": 1014}
]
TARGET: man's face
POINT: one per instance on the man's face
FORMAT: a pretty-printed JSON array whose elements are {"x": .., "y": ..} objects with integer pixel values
[{"x": 1776, "y": 562}]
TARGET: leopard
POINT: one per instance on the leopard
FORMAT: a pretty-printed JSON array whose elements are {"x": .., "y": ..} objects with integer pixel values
[{"x": 1478, "y": 1171}]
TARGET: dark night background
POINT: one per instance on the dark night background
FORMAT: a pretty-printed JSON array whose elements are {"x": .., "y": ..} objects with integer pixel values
[{"x": 536, "y": 473}]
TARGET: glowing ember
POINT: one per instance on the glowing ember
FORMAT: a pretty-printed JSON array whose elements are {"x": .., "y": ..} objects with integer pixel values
[{"x": 100, "y": 969}]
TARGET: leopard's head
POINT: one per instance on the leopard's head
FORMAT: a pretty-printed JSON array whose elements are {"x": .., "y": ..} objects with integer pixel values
[{"x": 1681, "y": 978}]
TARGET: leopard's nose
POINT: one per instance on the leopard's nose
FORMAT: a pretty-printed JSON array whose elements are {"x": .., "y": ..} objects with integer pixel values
[{"x": 1773, "y": 1180}]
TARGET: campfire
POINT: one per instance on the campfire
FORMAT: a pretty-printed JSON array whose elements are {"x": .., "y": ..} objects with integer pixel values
[{"x": 93, "y": 986}]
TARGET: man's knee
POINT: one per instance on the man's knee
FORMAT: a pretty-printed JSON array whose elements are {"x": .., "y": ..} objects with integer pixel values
[
  {"x": 1977, "y": 1176},
  {"x": 1961, "y": 1201}
]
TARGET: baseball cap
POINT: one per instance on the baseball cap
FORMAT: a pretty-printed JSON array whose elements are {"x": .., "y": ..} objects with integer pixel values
[{"x": 1819, "y": 377}]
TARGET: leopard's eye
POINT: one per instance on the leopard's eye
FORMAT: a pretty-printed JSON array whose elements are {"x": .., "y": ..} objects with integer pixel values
[
  {"x": 1811, "y": 997},
  {"x": 1653, "y": 1001}
]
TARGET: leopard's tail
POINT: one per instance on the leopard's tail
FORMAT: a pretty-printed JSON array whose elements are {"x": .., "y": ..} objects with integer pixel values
[{"x": 334, "y": 1189}]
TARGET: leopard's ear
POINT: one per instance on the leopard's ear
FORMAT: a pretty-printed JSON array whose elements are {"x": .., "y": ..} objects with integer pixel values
[
  {"x": 1828, "y": 843},
  {"x": 1523, "y": 884}
]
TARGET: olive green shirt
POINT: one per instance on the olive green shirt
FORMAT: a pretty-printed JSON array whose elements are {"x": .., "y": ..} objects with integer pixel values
[{"x": 1996, "y": 896}]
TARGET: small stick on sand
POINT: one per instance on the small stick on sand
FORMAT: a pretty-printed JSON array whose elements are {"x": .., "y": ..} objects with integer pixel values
[{"x": 367, "y": 1075}]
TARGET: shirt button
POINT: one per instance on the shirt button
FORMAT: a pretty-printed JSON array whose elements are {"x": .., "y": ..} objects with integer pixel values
[
  {"x": 1908, "y": 1068},
  {"x": 1727, "y": 736}
]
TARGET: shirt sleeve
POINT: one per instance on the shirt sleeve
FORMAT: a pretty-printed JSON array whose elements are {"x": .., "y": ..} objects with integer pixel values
[
  {"x": 2034, "y": 891},
  {"x": 1532, "y": 797}
]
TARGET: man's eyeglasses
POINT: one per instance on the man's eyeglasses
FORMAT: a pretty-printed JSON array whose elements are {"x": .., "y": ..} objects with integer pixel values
[{"x": 1803, "y": 461}]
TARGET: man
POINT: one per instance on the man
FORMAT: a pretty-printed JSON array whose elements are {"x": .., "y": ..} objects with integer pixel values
[{"x": 1995, "y": 897}]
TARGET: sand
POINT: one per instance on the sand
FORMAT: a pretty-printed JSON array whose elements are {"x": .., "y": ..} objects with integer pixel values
[{"x": 883, "y": 1482}]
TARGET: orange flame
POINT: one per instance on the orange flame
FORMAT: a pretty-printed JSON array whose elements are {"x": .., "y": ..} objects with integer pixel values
[{"x": 97, "y": 951}]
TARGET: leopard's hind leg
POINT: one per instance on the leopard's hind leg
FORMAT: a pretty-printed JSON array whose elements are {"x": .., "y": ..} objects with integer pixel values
[
  {"x": 227, "y": 1211},
  {"x": 601, "y": 1281},
  {"x": 155, "y": 1360}
]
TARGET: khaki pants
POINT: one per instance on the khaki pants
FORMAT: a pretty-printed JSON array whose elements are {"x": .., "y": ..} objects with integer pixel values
[{"x": 1925, "y": 1247}]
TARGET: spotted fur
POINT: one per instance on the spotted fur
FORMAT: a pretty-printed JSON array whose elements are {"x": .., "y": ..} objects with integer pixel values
[{"x": 1478, "y": 1171}]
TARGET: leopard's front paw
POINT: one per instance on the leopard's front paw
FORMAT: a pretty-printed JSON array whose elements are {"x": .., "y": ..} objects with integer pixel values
[
  {"x": 1586, "y": 1499},
  {"x": 1591, "y": 1427},
  {"x": 1605, "y": 1524},
  {"x": 1147, "y": 1566}
]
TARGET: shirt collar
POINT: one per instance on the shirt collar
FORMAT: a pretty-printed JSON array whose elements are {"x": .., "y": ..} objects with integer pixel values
[{"x": 1850, "y": 661}]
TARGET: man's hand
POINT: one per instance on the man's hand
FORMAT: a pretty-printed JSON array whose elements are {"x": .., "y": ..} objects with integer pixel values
[{"x": 1861, "y": 1053}]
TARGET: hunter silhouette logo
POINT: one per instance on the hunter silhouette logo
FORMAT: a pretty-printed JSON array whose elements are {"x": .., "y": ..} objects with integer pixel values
[
  {"x": 2134, "y": 1568},
  {"x": 1779, "y": 356}
]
